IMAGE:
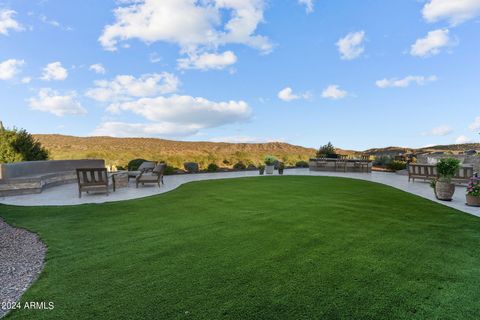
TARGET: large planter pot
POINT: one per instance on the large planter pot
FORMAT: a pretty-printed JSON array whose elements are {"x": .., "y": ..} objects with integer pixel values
[
  {"x": 269, "y": 169},
  {"x": 444, "y": 190},
  {"x": 473, "y": 201}
]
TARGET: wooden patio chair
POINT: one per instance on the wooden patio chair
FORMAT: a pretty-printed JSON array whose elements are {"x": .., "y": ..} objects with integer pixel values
[
  {"x": 155, "y": 176},
  {"x": 92, "y": 179},
  {"x": 146, "y": 166}
]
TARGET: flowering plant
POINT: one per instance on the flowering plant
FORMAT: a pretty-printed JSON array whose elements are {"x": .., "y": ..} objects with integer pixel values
[{"x": 473, "y": 188}]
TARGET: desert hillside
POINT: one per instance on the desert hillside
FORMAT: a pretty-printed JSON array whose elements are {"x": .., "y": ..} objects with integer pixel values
[{"x": 118, "y": 151}]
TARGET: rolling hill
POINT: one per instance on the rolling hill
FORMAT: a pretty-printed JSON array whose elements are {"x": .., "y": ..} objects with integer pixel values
[{"x": 118, "y": 151}]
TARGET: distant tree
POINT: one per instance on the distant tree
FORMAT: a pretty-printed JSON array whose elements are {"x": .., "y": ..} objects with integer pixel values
[
  {"x": 19, "y": 145},
  {"x": 326, "y": 149}
]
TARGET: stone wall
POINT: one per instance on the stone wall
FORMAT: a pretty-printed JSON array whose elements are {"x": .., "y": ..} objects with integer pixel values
[{"x": 16, "y": 170}]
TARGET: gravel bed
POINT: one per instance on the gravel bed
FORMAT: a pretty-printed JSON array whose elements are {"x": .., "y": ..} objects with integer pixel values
[{"x": 21, "y": 260}]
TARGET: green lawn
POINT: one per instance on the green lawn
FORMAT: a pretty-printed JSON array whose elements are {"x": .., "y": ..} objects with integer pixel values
[{"x": 257, "y": 248}]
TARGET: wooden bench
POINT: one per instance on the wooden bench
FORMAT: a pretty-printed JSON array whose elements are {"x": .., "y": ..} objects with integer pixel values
[
  {"x": 92, "y": 179},
  {"x": 429, "y": 172}
]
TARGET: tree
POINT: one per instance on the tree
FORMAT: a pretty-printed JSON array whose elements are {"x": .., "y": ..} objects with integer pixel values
[
  {"x": 326, "y": 150},
  {"x": 19, "y": 145}
]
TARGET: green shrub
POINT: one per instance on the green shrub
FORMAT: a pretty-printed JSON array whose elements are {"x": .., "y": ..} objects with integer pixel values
[
  {"x": 239, "y": 166},
  {"x": 212, "y": 167},
  {"x": 397, "y": 165},
  {"x": 270, "y": 160},
  {"x": 301, "y": 164},
  {"x": 134, "y": 164},
  {"x": 447, "y": 167},
  {"x": 19, "y": 145},
  {"x": 169, "y": 170},
  {"x": 191, "y": 167},
  {"x": 326, "y": 150},
  {"x": 382, "y": 161}
]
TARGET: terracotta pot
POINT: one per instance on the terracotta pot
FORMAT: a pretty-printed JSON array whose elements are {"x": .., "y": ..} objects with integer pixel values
[
  {"x": 444, "y": 190},
  {"x": 473, "y": 201}
]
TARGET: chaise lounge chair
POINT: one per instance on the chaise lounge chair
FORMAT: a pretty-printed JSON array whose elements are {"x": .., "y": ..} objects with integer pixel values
[
  {"x": 146, "y": 166},
  {"x": 155, "y": 176}
]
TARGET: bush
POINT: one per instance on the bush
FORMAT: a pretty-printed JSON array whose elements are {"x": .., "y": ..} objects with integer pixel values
[
  {"x": 212, "y": 167},
  {"x": 447, "y": 167},
  {"x": 301, "y": 164},
  {"x": 191, "y": 167},
  {"x": 19, "y": 145},
  {"x": 134, "y": 164},
  {"x": 326, "y": 150},
  {"x": 270, "y": 160},
  {"x": 397, "y": 165},
  {"x": 382, "y": 161},
  {"x": 169, "y": 170},
  {"x": 251, "y": 167},
  {"x": 239, "y": 166},
  {"x": 226, "y": 162}
]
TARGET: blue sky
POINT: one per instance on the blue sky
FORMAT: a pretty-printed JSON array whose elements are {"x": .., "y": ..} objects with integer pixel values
[{"x": 358, "y": 73}]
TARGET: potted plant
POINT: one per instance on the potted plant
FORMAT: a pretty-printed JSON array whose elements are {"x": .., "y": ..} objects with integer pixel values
[
  {"x": 446, "y": 169},
  {"x": 281, "y": 167},
  {"x": 269, "y": 164},
  {"x": 261, "y": 169},
  {"x": 473, "y": 192}
]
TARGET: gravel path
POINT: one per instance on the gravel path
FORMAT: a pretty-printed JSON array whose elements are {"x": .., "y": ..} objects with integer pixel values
[{"x": 21, "y": 261}]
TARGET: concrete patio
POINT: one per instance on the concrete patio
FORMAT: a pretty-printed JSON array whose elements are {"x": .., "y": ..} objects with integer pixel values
[{"x": 68, "y": 194}]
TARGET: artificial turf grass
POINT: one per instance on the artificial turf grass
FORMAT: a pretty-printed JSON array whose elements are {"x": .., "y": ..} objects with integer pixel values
[{"x": 264, "y": 248}]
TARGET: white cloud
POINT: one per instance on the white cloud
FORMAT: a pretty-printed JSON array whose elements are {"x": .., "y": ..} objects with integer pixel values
[
  {"x": 186, "y": 110},
  {"x": 405, "y": 82},
  {"x": 334, "y": 92},
  {"x": 462, "y": 139},
  {"x": 26, "y": 80},
  {"x": 49, "y": 100},
  {"x": 7, "y": 22},
  {"x": 54, "y": 71},
  {"x": 287, "y": 95},
  {"x": 208, "y": 61},
  {"x": 475, "y": 126},
  {"x": 9, "y": 68},
  {"x": 154, "y": 57},
  {"x": 454, "y": 11},
  {"x": 350, "y": 47},
  {"x": 190, "y": 24},
  {"x": 98, "y": 68},
  {"x": 126, "y": 87},
  {"x": 431, "y": 44},
  {"x": 309, "y": 5},
  {"x": 175, "y": 115},
  {"x": 439, "y": 131}
]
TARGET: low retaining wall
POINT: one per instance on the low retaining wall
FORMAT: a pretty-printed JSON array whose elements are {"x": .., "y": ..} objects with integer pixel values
[
  {"x": 34, "y": 176},
  {"x": 35, "y": 168}
]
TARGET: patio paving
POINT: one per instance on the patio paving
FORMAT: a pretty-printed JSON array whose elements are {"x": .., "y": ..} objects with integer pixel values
[{"x": 68, "y": 194}]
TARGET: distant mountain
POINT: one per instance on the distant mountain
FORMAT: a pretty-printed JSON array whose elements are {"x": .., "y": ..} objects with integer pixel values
[
  {"x": 454, "y": 148},
  {"x": 118, "y": 151}
]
